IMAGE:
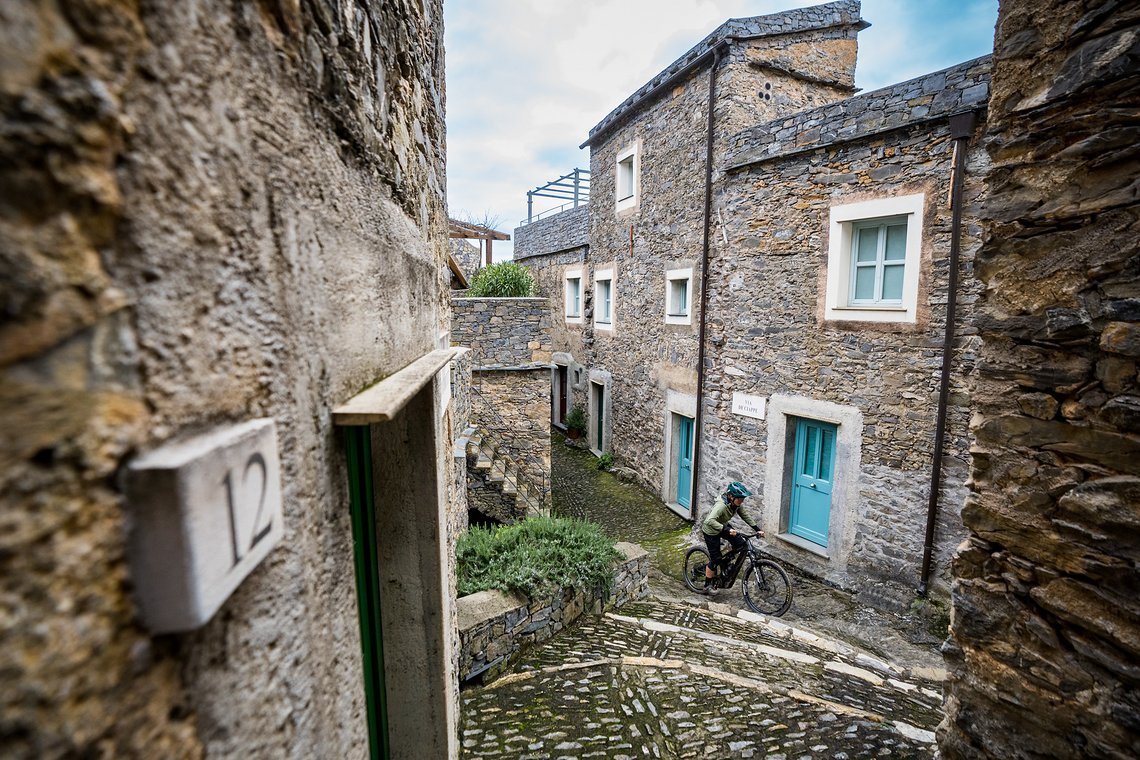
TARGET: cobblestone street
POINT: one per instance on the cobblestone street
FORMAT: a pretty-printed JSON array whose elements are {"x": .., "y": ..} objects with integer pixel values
[
  {"x": 665, "y": 679},
  {"x": 678, "y": 675}
]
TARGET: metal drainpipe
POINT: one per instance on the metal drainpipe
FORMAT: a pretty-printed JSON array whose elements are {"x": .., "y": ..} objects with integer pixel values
[
  {"x": 961, "y": 127},
  {"x": 704, "y": 287}
]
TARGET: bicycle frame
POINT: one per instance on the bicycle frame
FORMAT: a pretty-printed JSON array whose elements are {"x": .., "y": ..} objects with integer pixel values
[{"x": 734, "y": 560}]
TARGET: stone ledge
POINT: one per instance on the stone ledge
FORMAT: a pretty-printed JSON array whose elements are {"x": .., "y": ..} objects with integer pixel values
[{"x": 495, "y": 626}]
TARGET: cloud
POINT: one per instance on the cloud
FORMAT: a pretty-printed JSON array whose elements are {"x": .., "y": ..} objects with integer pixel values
[{"x": 527, "y": 80}]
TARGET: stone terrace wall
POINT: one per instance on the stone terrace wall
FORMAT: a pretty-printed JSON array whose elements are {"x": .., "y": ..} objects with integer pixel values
[
  {"x": 928, "y": 98},
  {"x": 502, "y": 332},
  {"x": 559, "y": 232},
  {"x": 494, "y": 626},
  {"x": 209, "y": 212},
  {"x": 1046, "y": 617}
]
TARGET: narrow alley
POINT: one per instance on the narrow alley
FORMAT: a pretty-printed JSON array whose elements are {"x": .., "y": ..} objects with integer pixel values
[{"x": 678, "y": 675}]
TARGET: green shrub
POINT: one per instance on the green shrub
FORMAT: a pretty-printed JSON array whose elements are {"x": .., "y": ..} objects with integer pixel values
[
  {"x": 535, "y": 556},
  {"x": 576, "y": 420},
  {"x": 605, "y": 461},
  {"x": 503, "y": 280}
]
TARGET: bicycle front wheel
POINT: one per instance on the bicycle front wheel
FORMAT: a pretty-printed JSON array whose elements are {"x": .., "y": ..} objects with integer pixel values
[
  {"x": 696, "y": 560},
  {"x": 767, "y": 589}
]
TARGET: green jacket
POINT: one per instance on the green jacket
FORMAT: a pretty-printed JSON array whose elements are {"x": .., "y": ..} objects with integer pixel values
[{"x": 720, "y": 515}]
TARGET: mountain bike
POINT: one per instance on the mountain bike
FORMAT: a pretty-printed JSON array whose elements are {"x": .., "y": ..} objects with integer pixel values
[{"x": 766, "y": 587}]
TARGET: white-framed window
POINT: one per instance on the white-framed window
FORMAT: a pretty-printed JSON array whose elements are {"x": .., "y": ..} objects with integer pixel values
[
  {"x": 627, "y": 181},
  {"x": 679, "y": 296},
  {"x": 572, "y": 295},
  {"x": 873, "y": 256},
  {"x": 604, "y": 299}
]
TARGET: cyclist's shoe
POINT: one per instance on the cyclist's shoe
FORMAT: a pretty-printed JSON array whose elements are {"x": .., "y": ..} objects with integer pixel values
[{"x": 710, "y": 586}]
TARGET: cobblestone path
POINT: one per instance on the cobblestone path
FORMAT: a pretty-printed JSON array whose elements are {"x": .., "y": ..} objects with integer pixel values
[{"x": 665, "y": 679}]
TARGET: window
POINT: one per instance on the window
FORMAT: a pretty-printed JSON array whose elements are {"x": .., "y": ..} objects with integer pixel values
[
  {"x": 626, "y": 179},
  {"x": 678, "y": 296},
  {"x": 874, "y": 249},
  {"x": 878, "y": 256},
  {"x": 604, "y": 299},
  {"x": 572, "y": 293}
]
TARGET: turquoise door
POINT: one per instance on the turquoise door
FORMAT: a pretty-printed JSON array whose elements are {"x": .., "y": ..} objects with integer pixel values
[
  {"x": 684, "y": 461},
  {"x": 811, "y": 482}
]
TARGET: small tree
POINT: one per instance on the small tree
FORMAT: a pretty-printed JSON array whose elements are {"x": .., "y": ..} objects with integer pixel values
[
  {"x": 503, "y": 280},
  {"x": 576, "y": 421}
]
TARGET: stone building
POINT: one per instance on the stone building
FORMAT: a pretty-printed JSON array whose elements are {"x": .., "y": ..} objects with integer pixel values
[
  {"x": 1045, "y": 631},
  {"x": 218, "y": 218},
  {"x": 810, "y": 358}
]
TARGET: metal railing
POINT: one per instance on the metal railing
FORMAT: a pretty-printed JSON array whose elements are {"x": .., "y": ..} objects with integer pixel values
[{"x": 574, "y": 188}]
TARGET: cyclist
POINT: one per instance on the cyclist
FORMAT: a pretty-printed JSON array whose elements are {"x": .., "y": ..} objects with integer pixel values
[{"x": 715, "y": 527}]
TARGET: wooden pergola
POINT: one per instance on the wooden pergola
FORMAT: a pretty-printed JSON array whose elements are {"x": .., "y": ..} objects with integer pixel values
[{"x": 468, "y": 231}]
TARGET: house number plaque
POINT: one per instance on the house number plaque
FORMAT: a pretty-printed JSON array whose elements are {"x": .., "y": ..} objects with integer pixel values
[{"x": 203, "y": 514}]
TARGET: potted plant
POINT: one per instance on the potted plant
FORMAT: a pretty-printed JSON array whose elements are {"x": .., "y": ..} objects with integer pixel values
[{"x": 575, "y": 423}]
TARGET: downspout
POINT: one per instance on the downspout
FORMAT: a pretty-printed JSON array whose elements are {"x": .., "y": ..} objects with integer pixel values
[
  {"x": 961, "y": 127},
  {"x": 704, "y": 286}
]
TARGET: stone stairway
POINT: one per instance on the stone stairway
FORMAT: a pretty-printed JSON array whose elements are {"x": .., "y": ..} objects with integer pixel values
[{"x": 495, "y": 487}]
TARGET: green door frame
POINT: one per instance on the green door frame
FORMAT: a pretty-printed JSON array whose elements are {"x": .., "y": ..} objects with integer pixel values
[{"x": 366, "y": 555}]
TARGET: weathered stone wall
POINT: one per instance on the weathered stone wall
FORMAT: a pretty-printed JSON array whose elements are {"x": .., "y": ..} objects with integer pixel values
[
  {"x": 768, "y": 335},
  {"x": 502, "y": 332},
  {"x": 209, "y": 212},
  {"x": 514, "y": 407},
  {"x": 467, "y": 255},
  {"x": 929, "y": 98},
  {"x": 510, "y": 342},
  {"x": 1046, "y": 617},
  {"x": 495, "y": 627},
  {"x": 780, "y": 53},
  {"x": 646, "y": 357},
  {"x": 460, "y": 419},
  {"x": 558, "y": 232}
]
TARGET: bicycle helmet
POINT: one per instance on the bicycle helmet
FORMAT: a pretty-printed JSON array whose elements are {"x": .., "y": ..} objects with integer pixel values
[{"x": 736, "y": 489}]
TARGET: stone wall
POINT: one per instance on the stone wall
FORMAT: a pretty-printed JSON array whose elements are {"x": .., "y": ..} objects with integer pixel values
[
  {"x": 929, "y": 98},
  {"x": 1046, "y": 618},
  {"x": 502, "y": 332},
  {"x": 510, "y": 342},
  {"x": 558, "y": 232},
  {"x": 495, "y": 626},
  {"x": 209, "y": 212},
  {"x": 768, "y": 334},
  {"x": 514, "y": 407}
]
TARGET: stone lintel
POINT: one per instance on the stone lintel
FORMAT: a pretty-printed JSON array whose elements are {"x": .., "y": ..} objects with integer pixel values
[{"x": 384, "y": 400}]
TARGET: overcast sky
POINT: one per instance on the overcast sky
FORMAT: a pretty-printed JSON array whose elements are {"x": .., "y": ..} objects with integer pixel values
[{"x": 527, "y": 79}]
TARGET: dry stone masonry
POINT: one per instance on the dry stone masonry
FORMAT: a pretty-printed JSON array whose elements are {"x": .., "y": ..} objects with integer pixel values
[
  {"x": 1046, "y": 616},
  {"x": 210, "y": 212},
  {"x": 496, "y": 627},
  {"x": 510, "y": 352}
]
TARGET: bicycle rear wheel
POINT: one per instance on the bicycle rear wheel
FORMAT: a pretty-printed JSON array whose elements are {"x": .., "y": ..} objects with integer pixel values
[
  {"x": 696, "y": 560},
  {"x": 767, "y": 589}
]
